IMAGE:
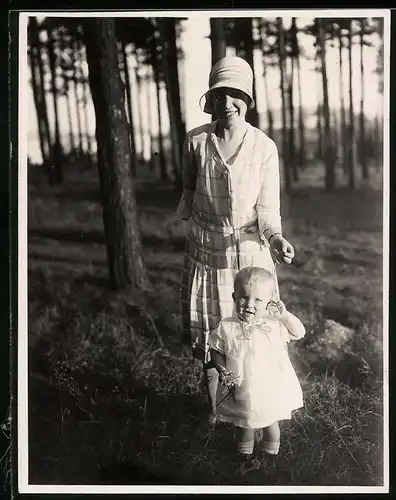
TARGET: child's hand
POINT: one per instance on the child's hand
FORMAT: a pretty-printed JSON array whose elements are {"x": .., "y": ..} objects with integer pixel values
[
  {"x": 228, "y": 379},
  {"x": 276, "y": 310}
]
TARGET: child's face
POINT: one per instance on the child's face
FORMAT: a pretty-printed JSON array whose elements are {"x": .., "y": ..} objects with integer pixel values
[
  {"x": 230, "y": 105},
  {"x": 251, "y": 300}
]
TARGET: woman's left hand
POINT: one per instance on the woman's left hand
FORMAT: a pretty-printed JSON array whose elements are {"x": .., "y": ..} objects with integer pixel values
[{"x": 281, "y": 249}]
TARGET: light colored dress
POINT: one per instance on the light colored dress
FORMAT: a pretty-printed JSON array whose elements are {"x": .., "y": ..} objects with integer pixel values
[
  {"x": 267, "y": 388},
  {"x": 230, "y": 206}
]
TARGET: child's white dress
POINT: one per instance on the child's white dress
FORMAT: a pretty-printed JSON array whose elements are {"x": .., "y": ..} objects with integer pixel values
[{"x": 267, "y": 388}]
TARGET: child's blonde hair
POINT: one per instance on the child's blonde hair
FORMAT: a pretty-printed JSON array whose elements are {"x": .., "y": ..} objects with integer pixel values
[{"x": 248, "y": 275}]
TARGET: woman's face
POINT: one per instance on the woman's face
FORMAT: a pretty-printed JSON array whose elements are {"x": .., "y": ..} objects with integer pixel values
[{"x": 230, "y": 105}]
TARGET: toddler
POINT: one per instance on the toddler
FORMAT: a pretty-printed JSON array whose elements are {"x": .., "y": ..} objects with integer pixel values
[{"x": 249, "y": 351}]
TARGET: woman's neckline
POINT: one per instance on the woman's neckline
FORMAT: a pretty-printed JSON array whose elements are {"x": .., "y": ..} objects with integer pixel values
[{"x": 228, "y": 162}]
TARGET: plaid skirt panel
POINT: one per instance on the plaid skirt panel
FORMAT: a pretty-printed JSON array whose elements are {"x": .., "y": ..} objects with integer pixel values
[{"x": 207, "y": 282}]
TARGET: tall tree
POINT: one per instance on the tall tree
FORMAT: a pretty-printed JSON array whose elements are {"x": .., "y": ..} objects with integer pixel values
[
  {"x": 282, "y": 57},
  {"x": 178, "y": 129},
  {"x": 292, "y": 139},
  {"x": 148, "y": 79},
  {"x": 76, "y": 83},
  {"x": 319, "y": 108},
  {"x": 158, "y": 70},
  {"x": 343, "y": 133},
  {"x": 44, "y": 145},
  {"x": 129, "y": 102},
  {"x": 362, "y": 120},
  {"x": 328, "y": 148},
  {"x": 267, "y": 51},
  {"x": 217, "y": 39},
  {"x": 65, "y": 65},
  {"x": 138, "y": 73},
  {"x": 352, "y": 139},
  {"x": 296, "y": 51},
  {"x": 123, "y": 243},
  {"x": 56, "y": 171},
  {"x": 42, "y": 110},
  {"x": 244, "y": 31}
]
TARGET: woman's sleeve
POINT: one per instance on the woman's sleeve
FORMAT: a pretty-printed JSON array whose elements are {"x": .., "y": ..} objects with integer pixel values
[
  {"x": 189, "y": 175},
  {"x": 217, "y": 339},
  {"x": 268, "y": 202}
]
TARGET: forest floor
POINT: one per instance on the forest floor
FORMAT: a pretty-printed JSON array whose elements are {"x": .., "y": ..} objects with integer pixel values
[{"x": 108, "y": 406}]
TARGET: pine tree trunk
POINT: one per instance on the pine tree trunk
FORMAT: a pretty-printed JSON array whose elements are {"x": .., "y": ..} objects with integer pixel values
[
  {"x": 244, "y": 27},
  {"x": 217, "y": 39},
  {"x": 76, "y": 97},
  {"x": 328, "y": 147},
  {"x": 149, "y": 118},
  {"x": 56, "y": 171},
  {"x": 43, "y": 111},
  {"x": 292, "y": 142},
  {"x": 162, "y": 159},
  {"x": 86, "y": 120},
  {"x": 319, "y": 106},
  {"x": 129, "y": 104},
  {"x": 343, "y": 130},
  {"x": 282, "y": 89},
  {"x": 139, "y": 102},
  {"x": 362, "y": 139},
  {"x": 67, "y": 97},
  {"x": 44, "y": 148},
  {"x": 301, "y": 126},
  {"x": 270, "y": 116},
  {"x": 352, "y": 139},
  {"x": 178, "y": 130},
  {"x": 124, "y": 250}
]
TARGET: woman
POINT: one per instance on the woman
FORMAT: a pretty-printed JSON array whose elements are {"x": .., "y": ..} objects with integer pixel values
[{"x": 231, "y": 198}]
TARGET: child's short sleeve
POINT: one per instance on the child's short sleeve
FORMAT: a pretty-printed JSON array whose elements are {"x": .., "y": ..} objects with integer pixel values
[{"x": 217, "y": 339}]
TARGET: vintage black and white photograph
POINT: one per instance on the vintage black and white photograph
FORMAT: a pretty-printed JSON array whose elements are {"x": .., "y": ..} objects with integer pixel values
[{"x": 203, "y": 251}]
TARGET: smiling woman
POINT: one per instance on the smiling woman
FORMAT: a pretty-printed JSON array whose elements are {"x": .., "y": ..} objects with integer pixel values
[{"x": 231, "y": 200}]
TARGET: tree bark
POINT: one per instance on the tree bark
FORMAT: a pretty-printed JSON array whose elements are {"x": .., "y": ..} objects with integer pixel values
[
  {"x": 343, "y": 130},
  {"x": 362, "y": 138},
  {"x": 76, "y": 82},
  {"x": 66, "y": 84},
  {"x": 244, "y": 27},
  {"x": 352, "y": 140},
  {"x": 286, "y": 168},
  {"x": 43, "y": 111},
  {"x": 178, "y": 129},
  {"x": 301, "y": 126},
  {"x": 292, "y": 142},
  {"x": 56, "y": 171},
  {"x": 139, "y": 101},
  {"x": 121, "y": 227},
  {"x": 320, "y": 103},
  {"x": 327, "y": 139},
  {"x": 270, "y": 116},
  {"x": 129, "y": 105},
  {"x": 162, "y": 159},
  {"x": 44, "y": 147},
  {"x": 149, "y": 117},
  {"x": 217, "y": 39}
]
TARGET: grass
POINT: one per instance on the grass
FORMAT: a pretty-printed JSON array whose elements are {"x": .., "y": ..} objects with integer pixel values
[{"x": 109, "y": 406}]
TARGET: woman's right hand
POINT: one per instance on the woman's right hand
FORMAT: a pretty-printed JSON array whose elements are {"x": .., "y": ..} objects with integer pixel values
[{"x": 281, "y": 249}]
